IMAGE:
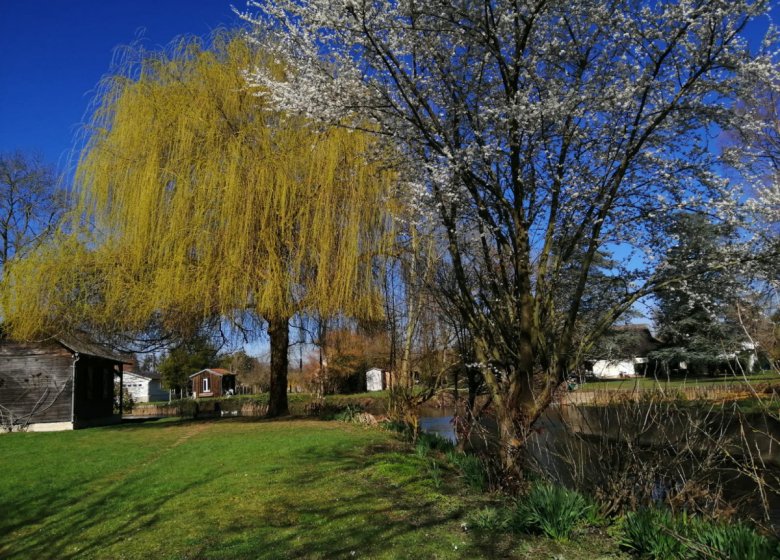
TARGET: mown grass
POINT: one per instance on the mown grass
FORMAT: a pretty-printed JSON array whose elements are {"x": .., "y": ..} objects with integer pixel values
[
  {"x": 243, "y": 489},
  {"x": 639, "y": 383}
]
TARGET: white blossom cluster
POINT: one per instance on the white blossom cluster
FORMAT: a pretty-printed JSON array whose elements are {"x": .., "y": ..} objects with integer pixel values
[{"x": 540, "y": 136}]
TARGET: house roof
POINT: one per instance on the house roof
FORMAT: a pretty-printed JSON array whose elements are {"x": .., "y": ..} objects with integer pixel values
[
  {"x": 149, "y": 375},
  {"x": 215, "y": 371},
  {"x": 624, "y": 341},
  {"x": 82, "y": 344}
]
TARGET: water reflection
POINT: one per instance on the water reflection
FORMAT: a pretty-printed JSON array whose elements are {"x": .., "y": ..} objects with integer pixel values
[
  {"x": 438, "y": 421},
  {"x": 654, "y": 450}
]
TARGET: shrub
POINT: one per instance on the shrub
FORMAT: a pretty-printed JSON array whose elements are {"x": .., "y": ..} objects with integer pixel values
[
  {"x": 127, "y": 400},
  {"x": 397, "y": 426},
  {"x": 552, "y": 510},
  {"x": 421, "y": 448},
  {"x": 188, "y": 408}
]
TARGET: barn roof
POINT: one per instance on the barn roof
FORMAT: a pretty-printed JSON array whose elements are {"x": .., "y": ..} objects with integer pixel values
[
  {"x": 146, "y": 375},
  {"x": 83, "y": 345},
  {"x": 630, "y": 340},
  {"x": 216, "y": 371}
]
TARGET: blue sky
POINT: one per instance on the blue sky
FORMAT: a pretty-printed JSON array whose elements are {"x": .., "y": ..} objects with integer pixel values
[{"x": 53, "y": 53}]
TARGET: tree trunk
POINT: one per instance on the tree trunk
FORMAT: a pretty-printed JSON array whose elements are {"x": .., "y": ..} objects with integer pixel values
[
  {"x": 511, "y": 438},
  {"x": 279, "y": 333}
]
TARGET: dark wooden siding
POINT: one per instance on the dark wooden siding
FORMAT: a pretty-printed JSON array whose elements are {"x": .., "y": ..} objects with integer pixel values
[
  {"x": 36, "y": 379},
  {"x": 94, "y": 388},
  {"x": 215, "y": 384}
]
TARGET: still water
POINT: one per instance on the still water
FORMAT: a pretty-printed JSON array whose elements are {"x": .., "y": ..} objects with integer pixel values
[
  {"x": 577, "y": 444},
  {"x": 441, "y": 426}
]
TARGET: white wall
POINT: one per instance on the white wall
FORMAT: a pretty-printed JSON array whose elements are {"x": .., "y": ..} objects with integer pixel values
[
  {"x": 374, "y": 379},
  {"x": 137, "y": 386},
  {"x": 613, "y": 369}
]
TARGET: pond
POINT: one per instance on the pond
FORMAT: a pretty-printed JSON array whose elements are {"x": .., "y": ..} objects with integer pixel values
[
  {"x": 440, "y": 425},
  {"x": 656, "y": 447}
]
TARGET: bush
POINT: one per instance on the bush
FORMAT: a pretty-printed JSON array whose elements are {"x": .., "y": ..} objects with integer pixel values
[
  {"x": 552, "y": 510},
  {"x": 435, "y": 474},
  {"x": 188, "y": 408},
  {"x": 656, "y": 533},
  {"x": 127, "y": 400}
]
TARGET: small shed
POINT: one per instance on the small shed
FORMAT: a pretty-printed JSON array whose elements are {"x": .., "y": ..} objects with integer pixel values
[
  {"x": 144, "y": 387},
  {"x": 375, "y": 380},
  {"x": 213, "y": 382},
  {"x": 57, "y": 384}
]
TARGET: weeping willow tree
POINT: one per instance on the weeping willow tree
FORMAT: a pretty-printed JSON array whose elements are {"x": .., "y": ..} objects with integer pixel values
[{"x": 196, "y": 200}]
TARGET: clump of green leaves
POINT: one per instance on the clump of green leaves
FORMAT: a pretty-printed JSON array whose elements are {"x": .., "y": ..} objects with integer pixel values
[
  {"x": 346, "y": 414},
  {"x": 435, "y": 473},
  {"x": 471, "y": 468},
  {"x": 652, "y": 533},
  {"x": 551, "y": 510},
  {"x": 489, "y": 519},
  {"x": 658, "y": 534},
  {"x": 434, "y": 442},
  {"x": 736, "y": 542}
]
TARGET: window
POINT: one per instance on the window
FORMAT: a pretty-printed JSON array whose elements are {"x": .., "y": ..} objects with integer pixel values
[{"x": 206, "y": 385}]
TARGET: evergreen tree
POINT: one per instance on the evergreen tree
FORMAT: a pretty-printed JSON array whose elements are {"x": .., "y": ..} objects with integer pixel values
[
  {"x": 693, "y": 312},
  {"x": 186, "y": 358}
]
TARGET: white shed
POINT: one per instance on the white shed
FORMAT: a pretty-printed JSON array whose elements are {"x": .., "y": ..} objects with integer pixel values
[
  {"x": 144, "y": 387},
  {"x": 374, "y": 379}
]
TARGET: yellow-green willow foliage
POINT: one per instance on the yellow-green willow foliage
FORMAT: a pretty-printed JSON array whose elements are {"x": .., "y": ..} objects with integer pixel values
[{"x": 202, "y": 201}]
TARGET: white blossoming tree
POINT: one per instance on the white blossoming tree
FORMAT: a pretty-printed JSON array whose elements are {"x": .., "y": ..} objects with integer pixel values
[{"x": 538, "y": 134}]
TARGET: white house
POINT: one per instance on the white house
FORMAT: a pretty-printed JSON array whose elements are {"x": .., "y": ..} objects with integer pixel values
[
  {"x": 616, "y": 369},
  {"x": 144, "y": 387},
  {"x": 624, "y": 351},
  {"x": 374, "y": 379}
]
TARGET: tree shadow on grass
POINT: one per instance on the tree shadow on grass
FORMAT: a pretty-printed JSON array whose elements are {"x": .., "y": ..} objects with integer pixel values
[
  {"x": 81, "y": 528},
  {"x": 328, "y": 501},
  {"x": 52, "y": 520},
  {"x": 378, "y": 515}
]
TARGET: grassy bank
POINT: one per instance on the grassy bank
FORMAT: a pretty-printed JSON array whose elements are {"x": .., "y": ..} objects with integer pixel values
[
  {"x": 244, "y": 489},
  {"x": 300, "y": 404},
  {"x": 758, "y": 381}
]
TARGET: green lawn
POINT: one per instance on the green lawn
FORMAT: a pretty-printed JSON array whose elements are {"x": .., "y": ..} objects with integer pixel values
[
  {"x": 242, "y": 489},
  {"x": 631, "y": 384}
]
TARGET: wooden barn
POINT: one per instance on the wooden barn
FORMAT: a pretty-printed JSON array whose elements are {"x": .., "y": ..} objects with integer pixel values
[
  {"x": 213, "y": 382},
  {"x": 58, "y": 384}
]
